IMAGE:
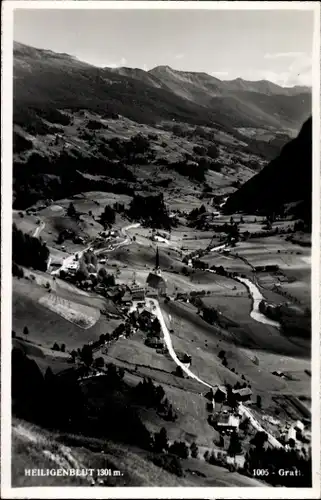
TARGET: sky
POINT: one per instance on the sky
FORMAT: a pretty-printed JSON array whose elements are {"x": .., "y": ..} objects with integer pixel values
[{"x": 253, "y": 44}]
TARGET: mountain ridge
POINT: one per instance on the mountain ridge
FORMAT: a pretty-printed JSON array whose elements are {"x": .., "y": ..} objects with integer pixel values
[{"x": 290, "y": 174}]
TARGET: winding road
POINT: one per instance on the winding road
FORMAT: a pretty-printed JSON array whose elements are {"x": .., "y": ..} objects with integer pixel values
[
  {"x": 154, "y": 305},
  {"x": 71, "y": 258}
]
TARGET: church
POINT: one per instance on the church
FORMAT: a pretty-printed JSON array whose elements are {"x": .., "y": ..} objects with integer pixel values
[{"x": 155, "y": 279}]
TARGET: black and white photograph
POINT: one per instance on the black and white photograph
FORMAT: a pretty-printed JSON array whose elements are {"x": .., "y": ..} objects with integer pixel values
[{"x": 160, "y": 249}]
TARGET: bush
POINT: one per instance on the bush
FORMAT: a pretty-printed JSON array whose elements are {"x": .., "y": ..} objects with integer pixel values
[
  {"x": 28, "y": 251},
  {"x": 213, "y": 152},
  {"x": 169, "y": 463},
  {"x": 200, "y": 150},
  {"x": 95, "y": 125},
  {"x": 21, "y": 143},
  {"x": 180, "y": 449},
  {"x": 17, "y": 271}
]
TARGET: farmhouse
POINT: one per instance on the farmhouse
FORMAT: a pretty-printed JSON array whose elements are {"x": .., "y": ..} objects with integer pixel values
[
  {"x": 137, "y": 292},
  {"x": 72, "y": 268},
  {"x": 220, "y": 394},
  {"x": 228, "y": 423},
  {"x": 127, "y": 298},
  {"x": 152, "y": 293},
  {"x": 243, "y": 394},
  {"x": 157, "y": 282},
  {"x": 210, "y": 406}
]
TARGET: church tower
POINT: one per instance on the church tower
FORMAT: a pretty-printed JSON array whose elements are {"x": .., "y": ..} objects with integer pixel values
[{"x": 157, "y": 268}]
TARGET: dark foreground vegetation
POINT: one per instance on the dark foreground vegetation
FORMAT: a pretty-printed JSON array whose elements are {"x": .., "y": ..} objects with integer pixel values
[{"x": 28, "y": 251}]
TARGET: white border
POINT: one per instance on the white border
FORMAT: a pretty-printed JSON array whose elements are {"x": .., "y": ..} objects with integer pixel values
[{"x": 6, "y": 224}]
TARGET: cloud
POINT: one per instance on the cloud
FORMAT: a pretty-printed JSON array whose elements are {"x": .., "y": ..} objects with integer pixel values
[
  {"x": 279, "y": 55},
  {"x": 218, "y": 74},
  {"x": 116, "y": 64},
  {"x": 102, "y": 63},
  {"x": 179, "y": 56},
  {"x": 296, "y": 72}
]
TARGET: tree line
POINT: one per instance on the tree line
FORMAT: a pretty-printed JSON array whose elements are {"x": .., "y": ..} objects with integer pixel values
[{"x": 28, "y": 251}]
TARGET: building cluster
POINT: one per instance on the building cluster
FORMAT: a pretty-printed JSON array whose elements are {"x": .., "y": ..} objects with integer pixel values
[
  {"x": 222, "y": 419},
  {"x": 295, "y": 434}
]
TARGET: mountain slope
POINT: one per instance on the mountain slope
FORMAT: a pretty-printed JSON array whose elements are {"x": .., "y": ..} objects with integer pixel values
[
  {"x": 264, "y": 87},
  {"x": 256, "y": 103},
  {"x": 62, "y": 82},
  {"x": 44, "y": 79},
  {"x": 287, "y": 179}
]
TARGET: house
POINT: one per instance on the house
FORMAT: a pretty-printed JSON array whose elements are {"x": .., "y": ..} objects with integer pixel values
[
  {"x": 291, "y": 433},
  {"x": 138, "y": 292},
  {"x": 127, "y": 298},
  {"x": 152, "y": 293},
  {"x": 228, "y": 423},
  {"x": 299, "y": 425},
  {"x": 156, "y": 282},
  {"x": 72, "y": 268},
  {"x": 271, "y": 268},
  {"x": 243, "y": 394},
  {"x": 210, "y": 406},
  {"x": 220, "y": 394}
]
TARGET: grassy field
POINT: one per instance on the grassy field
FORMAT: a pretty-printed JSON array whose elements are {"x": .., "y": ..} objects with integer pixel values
[
  {"x": 33, "y": 447},
  {"x": 135, "y": 351},
  {"x": 204, "y": 342},
  {"x": 45, "y": 326}
]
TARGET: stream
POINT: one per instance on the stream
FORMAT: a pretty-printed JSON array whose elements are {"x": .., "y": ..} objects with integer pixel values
[{"x": 257, "y": 297}]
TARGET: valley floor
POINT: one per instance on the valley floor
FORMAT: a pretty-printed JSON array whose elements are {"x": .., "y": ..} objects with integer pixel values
[{"x": 255, "y": 349}]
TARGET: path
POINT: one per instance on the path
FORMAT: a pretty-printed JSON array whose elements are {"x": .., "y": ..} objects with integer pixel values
[{"x": 39, "y": 229}]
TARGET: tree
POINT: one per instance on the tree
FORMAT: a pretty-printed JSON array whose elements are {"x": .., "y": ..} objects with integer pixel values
[
  {"x": 63, "y": 348},
  {"x": 26, "y": 330},
  {"x": 224, "y": 362},
  {"x": 235, "y": 447},
  {"x": 161, "y": 441},
  {"x": 292, "y": 443},
  {"x": 108, "y": 216},
  {"x": 210, "y": 315},
  {"x": 55, "y": 347},
  {"x": 82, "y": 272},
  {"x": 259, "y": 440},
  {"x": 73, "y": 355},
  {"x": 179, "y": 449},
  {"x": 49, "y": 376},
  {"x": 99, "y": 362},
  {"x": 179, "y": 372},
  {"x": 258, "y": 401},
  {"x": 87, "y": 355},
  {"x": 213, "y": 151},
  {"x": 194, "y": 450},
  {"x": 71, "y": 211},
  {"x": 244, "y": 425},
  {"x": 170, "y": 463}
]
